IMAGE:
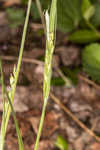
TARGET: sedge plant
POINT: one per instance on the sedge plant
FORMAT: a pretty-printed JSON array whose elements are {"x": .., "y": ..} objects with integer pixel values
[
  {"x": 51, "y": 20},
  {"x": 5, "y": 106},
  {"x": 14, "y": 78},
  {"x": 50, "y": 45}
]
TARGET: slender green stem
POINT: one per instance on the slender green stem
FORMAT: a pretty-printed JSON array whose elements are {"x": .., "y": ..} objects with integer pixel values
[
  {"x": 8, "y": 111},
  {"x": 4, "y": 108},
  {"x": 20, "y": 142},
  {"x": 41, "y": 14},
  {"x": 66, "y": 79},
  {"x": 22, "y": 47},
  {"x": 50, "y": 45},
  {"x": 40, "y": 126},
  {"x": 92, "y": 27},
  {"x": 4, "y": 92}
]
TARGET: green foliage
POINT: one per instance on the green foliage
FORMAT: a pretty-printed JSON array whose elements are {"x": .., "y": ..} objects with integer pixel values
[
  {"x": 61, "y": 143},
  {"x": 95, "y": 20},
  {"x": 87, "y": 9},
  {"x": 24, "y": 1},
  {"x": 57, "y": 81},
  {"x": 88, "y": 22},
  {"x": 45, "y": 4},
  {"x": 94, "y": 1},
  {"x": 84, "y": 36},
  {"x": 71, "y": 74},
  {"x": 92, "y": 13},
  {"x": 35, "y": 12},
  {"x": 68, "y": 14},
  {"x": 88, "y": 33},
  {"x": 91, "y": 61},
  {"x": 85, "y": 5},
  {"x": 15, "y": 16}
]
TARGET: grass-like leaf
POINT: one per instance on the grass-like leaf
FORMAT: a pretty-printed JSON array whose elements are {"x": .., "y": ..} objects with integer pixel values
[
  {"x": 14, "y": 83},
  {"x": 4, "y": 92},
  {"x": 50, "y": 44}
]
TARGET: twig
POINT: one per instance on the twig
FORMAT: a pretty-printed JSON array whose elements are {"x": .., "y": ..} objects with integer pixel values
[
  {"x": 89, "y": 82},
  {"x": 26, "y": 60},
  {"x": 55, "y": 99},
  {"x": 38, "y": 62},
  {"x": 90, "y": 132}
]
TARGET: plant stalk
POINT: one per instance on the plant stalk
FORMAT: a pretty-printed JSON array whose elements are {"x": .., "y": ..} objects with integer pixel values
[
  {"x": 50, "y": 45},
  {"x": 8, "y": 111}
]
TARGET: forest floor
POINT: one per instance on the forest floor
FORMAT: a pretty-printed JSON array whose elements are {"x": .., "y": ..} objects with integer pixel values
[{"x": 71, "y": 110}]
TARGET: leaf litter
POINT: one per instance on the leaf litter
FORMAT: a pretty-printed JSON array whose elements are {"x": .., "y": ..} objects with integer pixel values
[{"x": 82, "y": 99}]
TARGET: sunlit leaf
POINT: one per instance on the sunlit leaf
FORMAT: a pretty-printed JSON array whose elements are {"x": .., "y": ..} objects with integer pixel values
[
  {"x": 57, "y": 81},
  {"x": 87, "y": 9},
  {"x": 91, "y": 61},
  {"x": 95, "y": 20},
  {"x": 68, "y": 14},
  {"x": 61, "y": 143},
  {"x": 84, "y": 36}
]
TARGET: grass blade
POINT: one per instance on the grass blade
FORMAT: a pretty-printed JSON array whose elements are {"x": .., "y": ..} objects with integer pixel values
[
  {"x": 16, "y": 74},
  {"x": 4, "y": 92},
  {"x": 50, "y": 44}
]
